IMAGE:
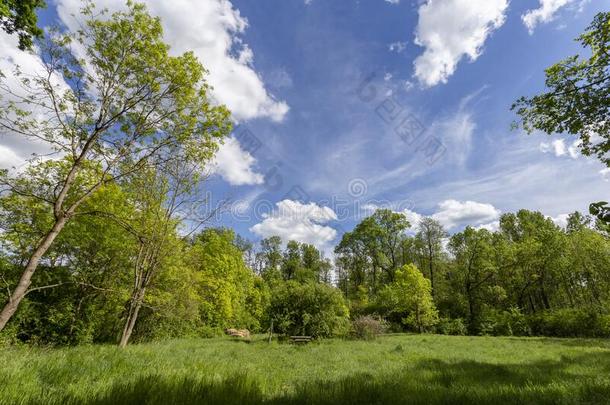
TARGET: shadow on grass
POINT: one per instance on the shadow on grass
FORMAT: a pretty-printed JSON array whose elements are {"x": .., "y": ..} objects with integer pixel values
[{"x": 427, "y": 382}]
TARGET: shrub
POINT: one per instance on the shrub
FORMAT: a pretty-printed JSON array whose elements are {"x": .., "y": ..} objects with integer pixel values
[
  {"x": 368, "y": 327},
  {"x": 310, "y": 309},
  {"x": 571, "y": 322},
  {"x": 447, "y": 326},
  {"x": 505, "y": 323}
]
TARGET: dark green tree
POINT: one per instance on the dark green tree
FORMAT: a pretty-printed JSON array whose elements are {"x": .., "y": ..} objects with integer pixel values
[{"x": 19, "y": 17}]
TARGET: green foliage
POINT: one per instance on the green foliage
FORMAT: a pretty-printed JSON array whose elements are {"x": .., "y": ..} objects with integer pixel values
[
  {"x": 230, "y": 294},
  {"x": 308, "y": 309},
  {"x": 410, "y": 296},
  {"x": 506, "y": 323},
  {"x": 151, "y": 111},
  {"x": 77, "y": 295},
  {"x": 19, "y": 17},
  {"x": 372, "y": 249},
  {"x": 448, "y": 326},
  {"x": 570, "y": 322},
  {"x": 577, "y": 100}
]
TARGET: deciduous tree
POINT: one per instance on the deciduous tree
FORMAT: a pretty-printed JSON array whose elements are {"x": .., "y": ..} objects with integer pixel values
[{"x": 109, "y": 94}]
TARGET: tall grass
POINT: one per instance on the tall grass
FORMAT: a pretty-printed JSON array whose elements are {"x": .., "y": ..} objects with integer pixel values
[{"x": 390, "y": 370}]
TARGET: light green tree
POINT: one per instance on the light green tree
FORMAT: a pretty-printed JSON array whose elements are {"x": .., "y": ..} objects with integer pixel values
[
  {"x": 411, "y": 294},
  {"x": 230, "y": 294},
  {"x": 128, "y": 105}
]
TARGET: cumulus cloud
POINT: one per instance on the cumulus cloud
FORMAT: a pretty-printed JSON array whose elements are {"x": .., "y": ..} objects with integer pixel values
[
  {"x": 560, "y": 220},
  {"x": 293, "y": 220},
  {"x": 212, "y": 30},
  {"x": 450, "y": 30},
  {"x": 492, "y": 226},
  {"x": 559, "y": 148},
  {"x": 453, "y": 213},
  {"x": 414, "y": 219},
  {"x": 235, "y": 165},
  {"x": 543, "y": 14}
]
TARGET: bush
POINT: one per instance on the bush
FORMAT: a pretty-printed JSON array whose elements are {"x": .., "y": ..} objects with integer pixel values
[
  {"x": 368, "y": 327},
  {"x": 309, "y": 309},
  {"x": 447, "y": 326},
  {"x": 505, "y": 323},
  {"x": 571, "y": 322}
]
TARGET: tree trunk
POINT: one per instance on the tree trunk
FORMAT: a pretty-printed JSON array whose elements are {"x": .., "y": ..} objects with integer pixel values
[
  {"x": 132, "y": 316},
  {"x": 26, "y": 277},
  {"x": 430, "y": 256}
]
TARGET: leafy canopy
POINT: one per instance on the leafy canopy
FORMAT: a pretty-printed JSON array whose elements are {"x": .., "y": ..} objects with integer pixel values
[{"x": 19, "y": 17}]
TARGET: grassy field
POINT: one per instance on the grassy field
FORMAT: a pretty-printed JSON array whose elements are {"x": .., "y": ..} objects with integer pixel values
[{"x": 392, "y": 369}]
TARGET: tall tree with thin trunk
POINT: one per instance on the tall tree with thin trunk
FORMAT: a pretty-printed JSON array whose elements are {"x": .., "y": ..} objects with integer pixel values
[
  {"x": 167, "y": 197},
  {"x": 430, "y": 237},
  {"x": 110, "y": 94}
]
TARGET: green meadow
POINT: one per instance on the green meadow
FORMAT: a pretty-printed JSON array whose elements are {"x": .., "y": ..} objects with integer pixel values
[{"x": 390, "y": 370}]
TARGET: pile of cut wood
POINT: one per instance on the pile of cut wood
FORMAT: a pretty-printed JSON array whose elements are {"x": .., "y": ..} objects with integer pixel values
[{"x": 239, "y": 333}]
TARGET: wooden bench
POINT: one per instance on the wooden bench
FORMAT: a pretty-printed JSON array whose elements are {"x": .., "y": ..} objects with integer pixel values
[{"x": 301, "y": 339}]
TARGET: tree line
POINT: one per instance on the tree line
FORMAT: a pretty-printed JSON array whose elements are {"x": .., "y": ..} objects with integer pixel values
[{"x": 528, "y": 277}]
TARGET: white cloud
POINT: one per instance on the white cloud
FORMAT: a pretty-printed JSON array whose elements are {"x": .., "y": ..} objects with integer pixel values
[
  {"x": 573, "y": 150},
  {"x": 492, "y": 226},
  {"x": 9, "y": 159},
  {"x": 16, "y": 149},
  {"x": 292, "y": 220},
  {"x": 560, "y": 220},
  {"x": 235, "y": 165},
  {"x": 393, "y": 1},
  {"x": 212, "y": 30},
  {"x": 558, "y": 148},
  {"x": 450, "y": 30},
  {"x": 456, "y": 130},
  {"x": 453, "y": 213},
  {"x": 414, "y": 219},
  {"x": 543, "y": 14},
  {"x": 605, "y": 173},
  {"x": 397, "y": 47}
]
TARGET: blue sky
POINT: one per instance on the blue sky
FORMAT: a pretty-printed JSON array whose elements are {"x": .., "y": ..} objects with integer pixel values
[{"x": 342, "y": 106}]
